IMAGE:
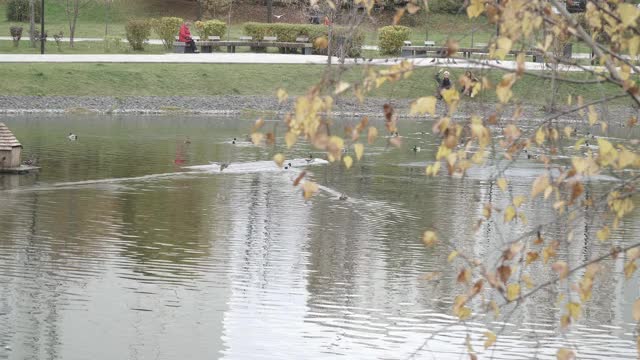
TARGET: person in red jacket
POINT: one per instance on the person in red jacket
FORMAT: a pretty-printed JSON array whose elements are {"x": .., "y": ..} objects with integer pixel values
[{"x": 185, "y": 37}]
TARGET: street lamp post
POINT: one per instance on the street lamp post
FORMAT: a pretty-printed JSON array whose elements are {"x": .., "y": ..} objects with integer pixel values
[{"x": 42, "y": 37}]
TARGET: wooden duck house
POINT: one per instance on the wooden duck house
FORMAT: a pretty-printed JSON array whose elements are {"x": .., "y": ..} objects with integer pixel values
[
  {"x": 10, "y": 149},
  {"x": 11, "y": 152}
]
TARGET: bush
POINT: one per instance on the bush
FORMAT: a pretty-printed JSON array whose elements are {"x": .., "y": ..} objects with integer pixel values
[
  {"x": 391, "y": 39},
  {"x": 166, "y": 28},
  {"x": 210, "y": 28},
  {"x": 18, "y": 10},
  {"x": 138, "y": 32},
  {"x": 289, "y": 32},
  {"x": 112, "y": 43},
  {"x": 16, "y": 34},
  {"x": 447, "y": 6}
]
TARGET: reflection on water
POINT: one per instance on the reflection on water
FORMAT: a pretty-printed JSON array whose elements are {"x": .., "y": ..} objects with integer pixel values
[{"x": 115, "y": 250}]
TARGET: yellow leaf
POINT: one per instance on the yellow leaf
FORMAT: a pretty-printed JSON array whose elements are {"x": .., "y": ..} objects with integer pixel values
[
  {"x": 629, "y": 269},
  {"x": 565, "y": 354},
  {"x": 348, "y": 161},
  {"x": 475, "y": 9},
  {"x": 636, "y": 310},
  {"x": 504, "y": 46},
  {"x": 634, "y": 45},
  {"x": 342, "y": 87},
  {"x": 513, "y": 291},
  {"x": 574, "y": 310},
  {"x": 258, "y": 124},
  {"x": 629, "y": 14},
  {"x": 527, "y": 281},
  {"x": 593, "y": 115},
  {"x": 290, "y": 139},
  {"x": 608, "y": 154},
  {"x": 256, "y": 138},
  {"x": 450, "y": 96},
  {"x": 429, "y": 238},
  {"x": 279, "y": 159},
  {"x": 372, "y": 135},
  {"x": 509, "y": 213},
  {"x": 540, "y": 136},
  {"x": 604, "y": 233},
  {"x": 452, "y": 256},
  {"x": 424, "y": 105},
  {"x": 502, "y": 184},
  {"x": 626, "y": 158},
  {"x": 432, "y": 170},
  {"x": 359, "y": 150},
  {"x": 503, "y": 90},
  {"x": 464, "y": 313},
  {"x": 532, "y": 256},
  {"x": 308, "y": 189},
  {"x": 491, "y": 339},
  {"x": 282, "y": 95},
  {"x": 519, "y": 200},
  {"x": 548, "y": 253},
  {"x": 539, "y": 185}
]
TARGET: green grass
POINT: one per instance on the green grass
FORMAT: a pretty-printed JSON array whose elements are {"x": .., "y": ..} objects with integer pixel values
[{"x": 235, "y": 79}]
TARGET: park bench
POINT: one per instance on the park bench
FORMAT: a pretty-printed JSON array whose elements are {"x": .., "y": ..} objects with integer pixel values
[
  {"x": 213, "y": 42},
  {"x": 266, "y": 42},
  {"x": 441, "y": 52}
]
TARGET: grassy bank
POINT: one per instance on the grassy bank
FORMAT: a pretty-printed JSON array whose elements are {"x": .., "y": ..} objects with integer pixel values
[{"x": 234, "y": 79}]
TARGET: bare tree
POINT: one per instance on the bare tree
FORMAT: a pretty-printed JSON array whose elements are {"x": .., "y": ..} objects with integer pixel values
[
  {"x": 72, "y": 10},
  {"x": 32, "y": 22}
]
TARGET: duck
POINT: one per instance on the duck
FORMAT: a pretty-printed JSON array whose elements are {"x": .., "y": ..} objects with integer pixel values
[
  {"x": 288, "y": 166},
  {"x": 343, "y": 197},
  {"x": 309, "y": 159},
  {"x": 416, "y": 149},
  {"x": 223, "y": 166},
  {"x": 72, "y": 137},
  {"x": 234, "y": 141},
  {"x": 29, "y": 162}
]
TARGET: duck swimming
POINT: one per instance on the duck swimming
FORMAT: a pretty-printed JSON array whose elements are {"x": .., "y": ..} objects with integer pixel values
[
  {"x": 416, "y": 149},
  {"x": 72, "y": 137},
  {"x": 343, "y": 197},
  {"x": 234, "y": 141},
  {"x": 223, "y": 166}
]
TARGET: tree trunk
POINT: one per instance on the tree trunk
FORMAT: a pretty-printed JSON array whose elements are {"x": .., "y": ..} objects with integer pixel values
[
  {"x": 72, "y": 10},
  {"x": 106, "y": 19},
  {"x": 269, "y": 11},
  {"x": 32, "y": 22}
]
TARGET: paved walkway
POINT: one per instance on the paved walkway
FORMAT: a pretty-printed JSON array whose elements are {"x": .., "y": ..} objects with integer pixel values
[{"x": 255, "y": 58}]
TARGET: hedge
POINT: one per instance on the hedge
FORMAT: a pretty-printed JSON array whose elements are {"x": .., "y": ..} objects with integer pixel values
[
  {"x": 447, "y": 6},
  {"x": 18, "y": 10},
  {"x": 289, "y": 32},
  {"x": 138, "y": 31},
  {"x": 166, "y": 28},
  {"x": 391, "y": 39},
  {"x": 210, "y": 28}
]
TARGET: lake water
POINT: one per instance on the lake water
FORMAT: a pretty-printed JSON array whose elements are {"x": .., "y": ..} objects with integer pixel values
[{"x": 116, "y": 251}]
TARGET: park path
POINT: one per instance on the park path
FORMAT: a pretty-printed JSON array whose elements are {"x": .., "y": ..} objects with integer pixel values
[{"x": 262, "y": 58}]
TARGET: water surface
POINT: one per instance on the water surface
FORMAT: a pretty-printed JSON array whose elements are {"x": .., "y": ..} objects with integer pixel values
[{"x": 115, "y": 250}]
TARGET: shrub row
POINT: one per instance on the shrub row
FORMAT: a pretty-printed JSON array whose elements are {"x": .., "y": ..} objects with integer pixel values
[
  {"x": 391, "y": 39},
  {"x": 353, "y": 40}
]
